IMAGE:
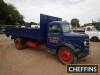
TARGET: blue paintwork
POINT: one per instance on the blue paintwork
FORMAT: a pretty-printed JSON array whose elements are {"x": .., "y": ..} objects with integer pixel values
[
  {"x": 31, "y": 33},
  {"x": 72, "y": 38},
  {"x": 77, "y": 40},
  {"x": 24, "y": 32},
  {"x": 44, "y": 22},
  {"x": 43, "y": 35}
]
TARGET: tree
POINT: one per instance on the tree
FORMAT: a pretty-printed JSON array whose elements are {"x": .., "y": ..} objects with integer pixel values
[
  {"x": 75, "y": 23},
  {"x": 33, "y": 23},
  {"x": 9, "y": 14}
]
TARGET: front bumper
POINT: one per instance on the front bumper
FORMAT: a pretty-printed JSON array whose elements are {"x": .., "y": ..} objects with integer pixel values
[{"x": 82, "y": 53}]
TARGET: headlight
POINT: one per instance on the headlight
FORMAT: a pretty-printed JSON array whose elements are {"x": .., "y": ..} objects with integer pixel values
[{"x": 85, "y": 43}]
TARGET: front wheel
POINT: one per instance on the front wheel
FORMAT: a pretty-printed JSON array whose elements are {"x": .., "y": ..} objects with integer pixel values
[{"x": 66, "y": 55}]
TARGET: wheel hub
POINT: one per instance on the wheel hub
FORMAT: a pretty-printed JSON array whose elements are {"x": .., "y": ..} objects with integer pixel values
[{"x": 65, "y": 55}]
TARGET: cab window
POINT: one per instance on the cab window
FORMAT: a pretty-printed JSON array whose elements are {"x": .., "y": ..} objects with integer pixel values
[
  {"x": 89, "y": 29},
  {"x": 54, "y": 28}
]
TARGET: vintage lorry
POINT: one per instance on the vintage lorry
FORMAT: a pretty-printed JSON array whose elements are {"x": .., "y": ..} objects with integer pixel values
[{"x": 53, "y": 34}]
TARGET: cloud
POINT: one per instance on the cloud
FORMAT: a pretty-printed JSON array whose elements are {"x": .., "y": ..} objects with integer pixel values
[{"x": 85, "y": 10}]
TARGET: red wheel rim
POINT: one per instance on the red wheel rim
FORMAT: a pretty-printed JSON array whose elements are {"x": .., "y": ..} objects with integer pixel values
[
  {"x": 17, "y": 43},
  {"x": 65, "y": 55}
]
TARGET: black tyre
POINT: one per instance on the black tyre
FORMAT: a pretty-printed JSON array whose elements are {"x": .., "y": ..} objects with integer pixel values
[
  {"x": 94, "y": 39},
  {"x": 19, "y": 43},
  {"x": 66, "y": 55}
]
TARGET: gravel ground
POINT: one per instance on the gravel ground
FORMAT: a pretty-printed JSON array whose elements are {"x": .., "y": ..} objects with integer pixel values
[{"x": 37, "y": 61}]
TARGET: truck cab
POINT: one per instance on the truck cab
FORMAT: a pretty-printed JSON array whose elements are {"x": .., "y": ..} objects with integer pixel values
[
  {"x": 56, "y": 30},
  {"x": 61, "y": 37}
]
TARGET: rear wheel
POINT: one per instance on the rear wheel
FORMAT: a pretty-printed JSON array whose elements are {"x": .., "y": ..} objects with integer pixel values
[
  {"x": 19, "y": 43},
  {"x": 66, "y": 56}
]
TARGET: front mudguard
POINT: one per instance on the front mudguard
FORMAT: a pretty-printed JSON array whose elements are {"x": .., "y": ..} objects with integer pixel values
[{"x": 75, "y": 51}]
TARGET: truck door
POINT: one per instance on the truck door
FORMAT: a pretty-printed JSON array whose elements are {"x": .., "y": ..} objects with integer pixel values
[{"x": 54, "y": 36}]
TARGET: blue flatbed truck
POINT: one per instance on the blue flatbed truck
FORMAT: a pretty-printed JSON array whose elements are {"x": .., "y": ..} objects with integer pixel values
[{"x": 53, "y": 34}]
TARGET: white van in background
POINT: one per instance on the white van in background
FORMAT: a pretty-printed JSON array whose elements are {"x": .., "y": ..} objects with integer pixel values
[{"x": 93, "y": 33}]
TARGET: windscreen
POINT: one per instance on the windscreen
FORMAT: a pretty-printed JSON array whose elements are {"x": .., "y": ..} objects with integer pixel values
[{"x": 66, "y": 27}]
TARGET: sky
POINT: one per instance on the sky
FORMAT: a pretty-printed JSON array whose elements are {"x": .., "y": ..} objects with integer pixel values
[{"x": 84, "y": 10}]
